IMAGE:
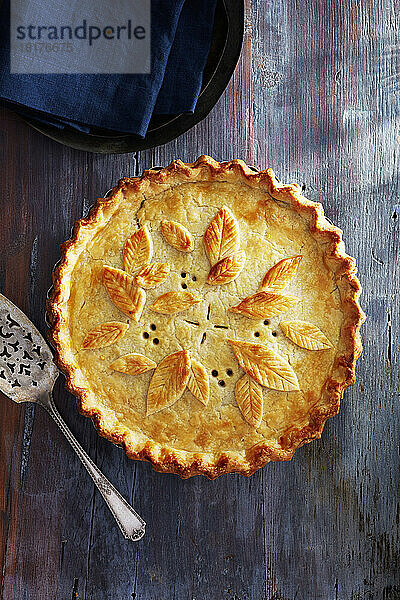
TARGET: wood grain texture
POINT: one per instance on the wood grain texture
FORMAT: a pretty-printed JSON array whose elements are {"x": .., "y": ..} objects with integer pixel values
[{"x": 316, "y": 97}]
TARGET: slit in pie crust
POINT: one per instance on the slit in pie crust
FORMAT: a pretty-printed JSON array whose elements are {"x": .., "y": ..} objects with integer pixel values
[{"x": 207, "y": 318}]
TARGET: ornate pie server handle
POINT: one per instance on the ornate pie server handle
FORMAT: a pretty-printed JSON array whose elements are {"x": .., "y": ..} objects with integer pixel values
[{"x": 130, "y": 523}]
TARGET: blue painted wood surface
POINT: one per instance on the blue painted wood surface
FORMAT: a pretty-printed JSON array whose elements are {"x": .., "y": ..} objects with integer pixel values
[{"x": 316, "y": 97}]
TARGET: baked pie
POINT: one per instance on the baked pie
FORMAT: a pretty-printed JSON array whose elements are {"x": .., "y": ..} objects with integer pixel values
[{"x": 206, "y": 317}]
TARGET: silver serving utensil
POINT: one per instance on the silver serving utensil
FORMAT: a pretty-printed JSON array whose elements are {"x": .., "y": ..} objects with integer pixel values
[{"x": 28, "y": 374}]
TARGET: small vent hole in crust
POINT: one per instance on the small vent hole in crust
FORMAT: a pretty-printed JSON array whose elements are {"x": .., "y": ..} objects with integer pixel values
[{"x": 187, "y": 276}]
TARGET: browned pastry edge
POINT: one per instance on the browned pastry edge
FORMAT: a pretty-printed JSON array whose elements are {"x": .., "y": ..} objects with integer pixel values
[{"x": 184, "y": 463}]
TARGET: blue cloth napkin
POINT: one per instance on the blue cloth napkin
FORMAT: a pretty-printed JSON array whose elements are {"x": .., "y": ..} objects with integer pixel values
[{"x": 180, "y": 41}]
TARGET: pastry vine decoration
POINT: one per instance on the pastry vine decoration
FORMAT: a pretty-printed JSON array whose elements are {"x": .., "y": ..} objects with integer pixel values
[{"x": 262, "y": 365}]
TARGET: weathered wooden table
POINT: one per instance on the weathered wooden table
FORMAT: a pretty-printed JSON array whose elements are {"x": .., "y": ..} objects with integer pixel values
[{"x": 315, "y": 96}]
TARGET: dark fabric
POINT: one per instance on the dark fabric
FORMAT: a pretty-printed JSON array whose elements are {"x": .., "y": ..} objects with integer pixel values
[{"x": 180, "y": 40}]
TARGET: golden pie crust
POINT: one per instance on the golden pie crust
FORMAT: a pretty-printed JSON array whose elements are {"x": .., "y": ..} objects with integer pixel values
[{"x": 207, "y": 318}]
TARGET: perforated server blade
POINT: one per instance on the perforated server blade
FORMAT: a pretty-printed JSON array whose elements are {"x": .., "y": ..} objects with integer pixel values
[{"x": 28, "y": 374}]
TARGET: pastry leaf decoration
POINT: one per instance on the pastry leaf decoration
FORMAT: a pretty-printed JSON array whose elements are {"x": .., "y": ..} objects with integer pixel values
[
  {"x": 221, "y": 238},
  {"x": 123, "y": 292},
  {"x": 152, "y": 275},
  {"x": 168, "y": 382},
  {"x": 227, "y": 269},
  {"x": 138, "y": 250},
  {"x": 198, "y": 382},
  {"x": 249, "y": 397},
  {"x": 263, "y": 305},
  {"x": 104, "y": 335},
  {"x": 133, "y": 364},
  {"x": 280, "y": 274},
  {"x": 174, "y": 302},
  {"x": 265, "y": 366},
  {"x": 306, "y": 335},
  {"x": 177, "y": 236}
]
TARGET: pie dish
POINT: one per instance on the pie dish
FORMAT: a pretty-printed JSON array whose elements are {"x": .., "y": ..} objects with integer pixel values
[{"x": 207, "y": 318}]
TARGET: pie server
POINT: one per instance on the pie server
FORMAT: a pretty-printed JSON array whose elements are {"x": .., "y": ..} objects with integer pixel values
[{"x": 28, "y": 374}]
